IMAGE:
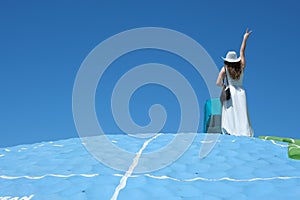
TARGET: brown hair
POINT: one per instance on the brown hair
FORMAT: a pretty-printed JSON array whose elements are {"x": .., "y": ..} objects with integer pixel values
[{"x": 234, "y": 69}]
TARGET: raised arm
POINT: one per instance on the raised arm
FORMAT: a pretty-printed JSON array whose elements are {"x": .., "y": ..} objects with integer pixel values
[{"x": 243, "y": 47}]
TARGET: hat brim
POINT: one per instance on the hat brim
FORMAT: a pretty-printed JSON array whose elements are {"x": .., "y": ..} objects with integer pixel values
[{"x": 232, "y": 60}]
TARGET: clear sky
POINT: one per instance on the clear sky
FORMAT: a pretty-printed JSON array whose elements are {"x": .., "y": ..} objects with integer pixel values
[{"x": 43, "y": 44}]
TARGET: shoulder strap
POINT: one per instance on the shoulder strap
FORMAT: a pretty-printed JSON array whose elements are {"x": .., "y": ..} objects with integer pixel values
[{"x": 226, "y": 76}]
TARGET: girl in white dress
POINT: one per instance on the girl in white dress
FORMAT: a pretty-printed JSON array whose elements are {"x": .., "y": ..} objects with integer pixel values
[{"x": 235, "y": 118}]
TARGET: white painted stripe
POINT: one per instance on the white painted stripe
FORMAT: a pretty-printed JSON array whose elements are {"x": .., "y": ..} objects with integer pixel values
[
  {"x": 47, "y": 175},
  {"x": 208, "y": 141},
  {"x": 224, "y": 178},
  {"x": 57, "y": 145},
  {"x": 128, "y": 173},
  {"x": 16, "y": 198},
  {"x": 281, "y": 145},
  {"x": 121, "y": 175}
]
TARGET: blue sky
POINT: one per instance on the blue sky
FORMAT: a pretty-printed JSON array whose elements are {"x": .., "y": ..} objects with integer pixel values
[{"x": 43, "y": 44}]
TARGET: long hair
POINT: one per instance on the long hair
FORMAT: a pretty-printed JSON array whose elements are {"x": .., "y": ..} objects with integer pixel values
[{"x": 234, "y": 69}]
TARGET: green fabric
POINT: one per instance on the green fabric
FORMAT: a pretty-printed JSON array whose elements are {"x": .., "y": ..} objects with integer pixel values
[
  {"x": 293, "y": 146},
  {"x": 294, "y": 151}
]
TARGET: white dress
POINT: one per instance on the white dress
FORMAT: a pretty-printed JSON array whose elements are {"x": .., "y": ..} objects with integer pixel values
[{"x": 235, "y": 117}]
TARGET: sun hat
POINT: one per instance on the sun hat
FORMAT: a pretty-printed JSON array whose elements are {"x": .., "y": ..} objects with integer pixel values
[{"x": 231, "y": 57}]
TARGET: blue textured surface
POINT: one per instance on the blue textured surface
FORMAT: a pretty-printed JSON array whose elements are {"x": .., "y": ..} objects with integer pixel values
[{"x": 237, "y": 168}]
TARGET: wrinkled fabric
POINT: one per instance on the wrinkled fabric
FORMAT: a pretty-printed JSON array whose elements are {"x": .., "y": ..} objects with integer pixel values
[{"x": 235, "y": 117}]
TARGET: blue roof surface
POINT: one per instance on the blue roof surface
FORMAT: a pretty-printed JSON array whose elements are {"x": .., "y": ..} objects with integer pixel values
[{"x": 236, "y": 168}]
